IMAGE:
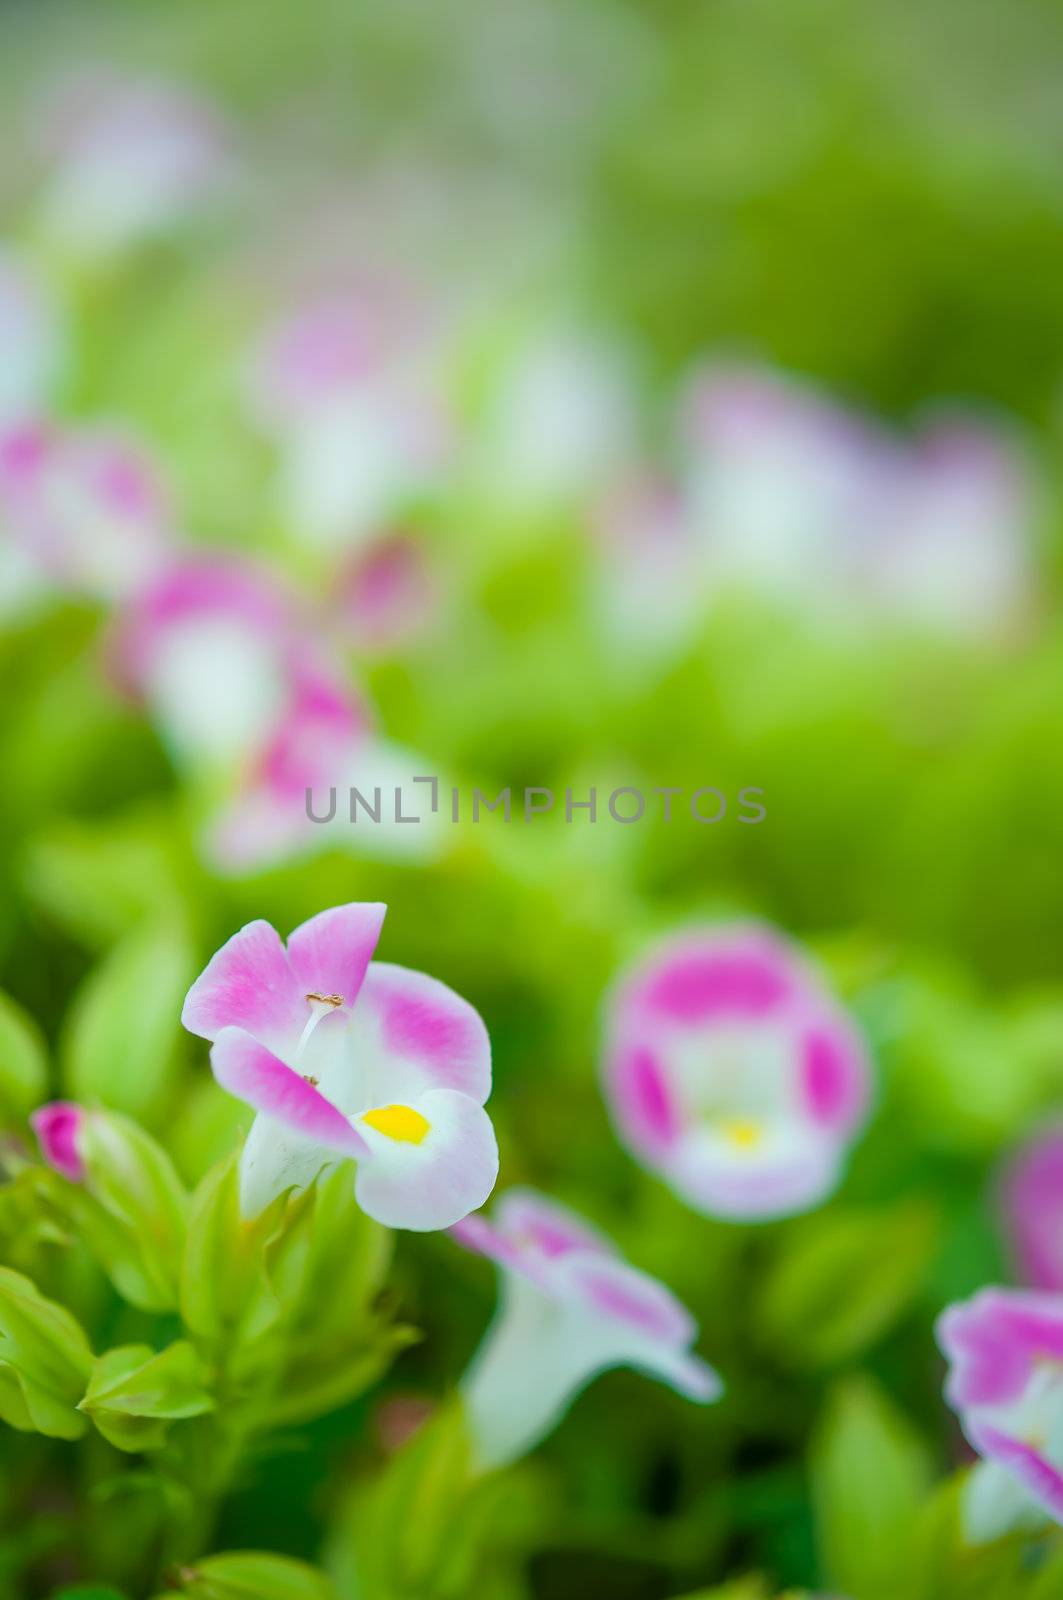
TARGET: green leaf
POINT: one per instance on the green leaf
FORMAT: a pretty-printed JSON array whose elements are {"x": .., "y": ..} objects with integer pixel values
[
  {"x": 409, "y": 1530},
  {"x": 90, "y": 1591},
  {"x": 326, "y": 1266},
  {"x": 252, "y": 1575},
  {"x": 131, "y": 1210},
  {"x": 45, "y": 1361},
  {"x": 870, "y": 1476},
  {"x": 119, "y": 1047},
  {"x": 226, "y": 1298},
  {"x": 133, "y": 1393},
  {"x": 843, "y": 1280},
  {"x": 23, "y": 1062},
  {"x": 98, "y": 879}
]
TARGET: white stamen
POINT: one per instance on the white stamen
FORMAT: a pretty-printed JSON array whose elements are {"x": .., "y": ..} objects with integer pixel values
[{"x": 321, "y": 1005}]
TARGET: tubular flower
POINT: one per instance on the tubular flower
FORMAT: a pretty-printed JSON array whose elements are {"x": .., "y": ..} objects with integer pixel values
[
  {"x": 343, "y": 1057},
  {"x": 732, "y": 1072},
  {"x": 1005, "y": 1382},
  {"x": 571, "y": 1307}
]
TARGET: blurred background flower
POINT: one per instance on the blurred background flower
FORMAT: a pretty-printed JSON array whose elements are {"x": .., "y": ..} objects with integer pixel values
[{"x": 606, "y": 401}]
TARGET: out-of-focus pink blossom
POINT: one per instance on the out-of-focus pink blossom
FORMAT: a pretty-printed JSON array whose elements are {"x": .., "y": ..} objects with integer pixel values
[
  {"x": 87, "y": 508},
  {"x": 343, "y": 1057},
  {"x": 1005, "y": 1382},
  {"x": 349, "y": 388},
  {"x": 129, "y": 159},
  {"x": 570, "y": 1308},
  {"x": 732, "y": 1071}
]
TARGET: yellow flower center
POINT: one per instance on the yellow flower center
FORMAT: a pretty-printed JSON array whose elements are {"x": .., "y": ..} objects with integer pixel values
[
  {"x": 742, "y": 1132},
  {"x": 398, "y": 1122}
]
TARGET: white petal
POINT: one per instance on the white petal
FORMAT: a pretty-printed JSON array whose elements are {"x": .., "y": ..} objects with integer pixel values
[
  {"x": 434, "y": 1183},
  {"x": 274, "y": 1159},
  {"x": 995, "y": 1503}
]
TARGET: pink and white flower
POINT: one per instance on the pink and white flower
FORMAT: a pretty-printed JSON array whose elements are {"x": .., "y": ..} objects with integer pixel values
[
  {"x": 956, "y": 550},
  {"x": 208, "y": 646},
  {"x": 781, "y": 483},
  {"x": 59, "y": 1126},
  {"x": 30, "y": 340},
  {"x": 802, "y": 499},
  {"x": 1031, "y": 1195},
  {"x": 323, "y": 746},
  {"x": 86, "y": 507},
  {"x": 132, "y": 158},
  {"x": 570, "y": 1308},
  {"x": 1005, "y": 1382},
  {"x": 346, "y": 1058},
  {"x": 732, "y": 1072},
  {"x": 562, "y": 420},
  {"x": 348, "y": 388}
]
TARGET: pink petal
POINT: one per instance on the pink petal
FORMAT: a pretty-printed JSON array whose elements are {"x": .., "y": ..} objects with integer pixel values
[
  {"x": 248, "y": 984},
  {"x": 615, "y": 1290},
  {"x": 835, "y": 1076},
  {"x": 422, "y": 1033},
  {"x": 645, "y": 1106},
  {"x": 329, "y": 954},
  {"x": 543, "y": 1226},
  {"x": 252, "y": 1073},
  {"x": 1032, "y": 1203},
  {"x": 992, "y": 1342},
  {"x": 726, "y": 974}
]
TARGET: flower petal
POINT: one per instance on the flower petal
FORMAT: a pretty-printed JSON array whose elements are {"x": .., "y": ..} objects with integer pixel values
[
  {"x": 992, "y": 1342},
  {"x": 1032, "y": 1202},
  {"x": 645, "y": 1106},
  {"x": 790, "y": 1171},
  {"x": 329, "y": 954},
  {"x": 274, "y": 1159},
  {"x": 835, "y": 1077},
  {"x": 437, "y": 1180},
  {"x": 248, "y": 984},
  {"x": 995, "y": 1503},
  {"x": 1025, "y": 1462},
  {"x": 727, "y": 973},
  {"x": 252, "y": 1073},
  {"x": 528, "y": 1218},
  {"x": 411, "y": 1033},
  {"x": 636, "y": 1305}
]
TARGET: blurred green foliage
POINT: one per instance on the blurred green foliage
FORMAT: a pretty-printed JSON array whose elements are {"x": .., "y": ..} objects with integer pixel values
[{"x": 865, "y": 193}]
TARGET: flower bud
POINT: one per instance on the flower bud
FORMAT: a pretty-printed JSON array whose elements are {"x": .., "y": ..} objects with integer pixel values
[{"x": 124, "y": 1200}]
